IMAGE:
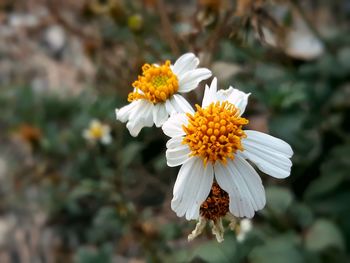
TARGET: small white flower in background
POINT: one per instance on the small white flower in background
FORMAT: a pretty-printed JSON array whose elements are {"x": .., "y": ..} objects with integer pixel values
[
  {"x": 98, "y": 132},
  {"x": 211, "y": 146},
  {"x": 244, "y": 228},
  {"x": 155, "y": 95}
]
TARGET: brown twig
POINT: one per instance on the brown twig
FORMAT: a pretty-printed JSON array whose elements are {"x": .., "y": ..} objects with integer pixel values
[
  {"x": 213, "y": 41},
  {"x": 167, "y": 30},
  {"x": 54, "y": 10}
]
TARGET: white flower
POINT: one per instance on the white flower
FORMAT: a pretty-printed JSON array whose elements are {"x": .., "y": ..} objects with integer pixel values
[
  {"x": 155, "y": 94},
  {"x": 210, "y": 143},
  {"x": 98, "y": 132},
  {"x": 245, "y": 227}
]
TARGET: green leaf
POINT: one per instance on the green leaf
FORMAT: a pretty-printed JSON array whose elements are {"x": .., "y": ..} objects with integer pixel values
[
  {"x": 278, "y": 199},
  {"x": 94, "y": 255},
  {"x": 302, "y": 214},
  {"x": 129, "y": 153},
  {"x": 276, "y": 251},
  {"x": 287, "y": 126},
  {"x": 214, "y": 252},
  {"x": 334, "y": 173},
  {"x": 170, "y": 231},
  {"x": 344, "y": 58},
  {"x": 86, "y": 187},
  {"x": 322, "y": 235},
  {"x": 269, "y": 72}
]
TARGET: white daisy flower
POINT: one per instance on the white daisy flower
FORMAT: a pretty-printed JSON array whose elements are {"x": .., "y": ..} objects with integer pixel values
[
  {"x": 156, "y": 92},
  {"x": 98, "y": 132},
  {"x": 211, "y": 146}
]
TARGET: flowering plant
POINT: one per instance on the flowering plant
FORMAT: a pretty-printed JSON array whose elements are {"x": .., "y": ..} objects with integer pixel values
[{"x": 215, "y": 178}]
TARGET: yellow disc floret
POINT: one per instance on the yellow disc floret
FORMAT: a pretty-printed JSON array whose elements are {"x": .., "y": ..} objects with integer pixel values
[
  {"x": 215, "y": 132},
  {"x": 156, "y": 84},
  {"x": 96, "y": 131}
]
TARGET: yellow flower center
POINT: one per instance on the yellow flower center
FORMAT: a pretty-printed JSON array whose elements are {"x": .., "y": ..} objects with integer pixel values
[
  {"x": 96, "y": 132},
  {"x": 156, "y": 84},
  {"x": 215, "y": 133}
]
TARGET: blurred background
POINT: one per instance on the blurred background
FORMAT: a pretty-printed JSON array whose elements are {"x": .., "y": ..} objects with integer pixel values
[{"x": 66, "y": 198}]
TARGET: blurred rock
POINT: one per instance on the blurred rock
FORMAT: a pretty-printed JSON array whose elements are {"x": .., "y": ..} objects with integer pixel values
[
  {"x": 55, "y": 38},
  {"x": 225, "y": 70},
  {"x": 302, "y": 44},
  {"x": 6, "y": 226},
  {"x": 23, "y": 20},
  {"x": 298, "y": 41},
  {"x": 3, "y": 168}
]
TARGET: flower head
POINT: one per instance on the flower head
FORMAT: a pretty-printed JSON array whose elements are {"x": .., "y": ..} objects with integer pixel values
[
  {"x": 214, "y": 210},
  {"x": 211, "y": 145},
  {"x": 214, "y": 133},
  {"x": 98, "y": 132},
  {"x": 155, "y": 93}
]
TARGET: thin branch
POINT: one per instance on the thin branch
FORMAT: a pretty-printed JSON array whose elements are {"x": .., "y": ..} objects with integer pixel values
[
  {"x": 214, "y": 39},
  {"x": 55, "y": 12},
  {"x": 166, "y": 25}
]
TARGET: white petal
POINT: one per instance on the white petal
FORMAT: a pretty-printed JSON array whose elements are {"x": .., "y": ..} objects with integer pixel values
[
  {"x": 175, "y": 105},
  {"x": 234, "y": 96},
  {"x": 185, "y": 63},
  {"x": 95, "y": 123},
  {"x": 190, "y": 80},
  {"x": 170, "y": 108},
  {"x": 177, "y": 156},
  {"x": 177, "y": 153},
  {"x": 202, "y": 191},
  {"x": 147, "y": 114},
  {"x": 134, "y": 127},
  {"x": 140, "y": 117},
  {"x": 180, "y": 182},
  {"x": 174, "y": 142},
  {"x": 160, "y": 114},
  {"x": 138, "y": 111},
  {"x": 87, "y": 134},
  {"x": 210, "y": 93},
  {"x": 173, "y": 126},
  {"x": 239, "y": 179},
  {"x": 248, "y": 178},
  {"x": 270, "y": 154},
  {"x": 224, "y": 94},
  {"x": 181, "y": 103},
  {"x": 106, "y": 139},
  {"x": 239, "y": 99},
  {"x": 123, "y": 113},
  {"x": 191, "y": 188},
  {"x": 239, "y": 205},
  {"x": 269, "y": 141}
]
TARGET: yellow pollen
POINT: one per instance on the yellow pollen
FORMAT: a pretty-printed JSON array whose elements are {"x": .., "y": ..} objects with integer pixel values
[
  {"x": 156, "y": 84},
  {"x": 96, "y": 132},
  {"x": 215, "y": 133}
]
